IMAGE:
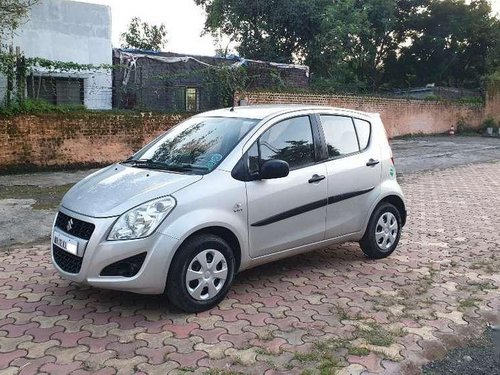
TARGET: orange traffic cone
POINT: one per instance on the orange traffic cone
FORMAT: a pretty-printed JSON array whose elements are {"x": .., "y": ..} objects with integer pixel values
[{"x": 452, "y": 130}]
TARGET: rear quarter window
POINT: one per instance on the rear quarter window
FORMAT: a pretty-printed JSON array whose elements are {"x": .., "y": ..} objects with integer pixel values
[{"x": 363, "y": 129}]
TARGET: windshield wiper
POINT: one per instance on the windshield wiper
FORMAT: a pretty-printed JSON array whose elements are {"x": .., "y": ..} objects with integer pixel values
[
  {"x": 148, "y": 163},
  {"x": 186, "y": 167},
  {"x": 145, "y": 163}
]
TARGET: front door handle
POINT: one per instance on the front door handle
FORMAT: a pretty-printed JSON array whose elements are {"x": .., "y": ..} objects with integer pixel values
[
  {"x": 372, "y": 162},
  {"x": 316, "y": 178}
]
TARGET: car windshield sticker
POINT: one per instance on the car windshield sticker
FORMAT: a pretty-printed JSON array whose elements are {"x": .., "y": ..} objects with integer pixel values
[{"x": 216, "y": 158}]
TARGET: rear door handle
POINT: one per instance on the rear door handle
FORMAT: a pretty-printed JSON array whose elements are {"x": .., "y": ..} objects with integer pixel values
[
  {"x": 316, "y": 178},
  {"x": 372, "y": 162}
]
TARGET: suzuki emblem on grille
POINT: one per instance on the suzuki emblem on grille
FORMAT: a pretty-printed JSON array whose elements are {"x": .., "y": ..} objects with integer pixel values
[{"x": 69, "y": 226}]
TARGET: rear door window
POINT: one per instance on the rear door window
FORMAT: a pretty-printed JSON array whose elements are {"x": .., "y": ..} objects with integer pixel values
[{"x": 340, "y": 135}]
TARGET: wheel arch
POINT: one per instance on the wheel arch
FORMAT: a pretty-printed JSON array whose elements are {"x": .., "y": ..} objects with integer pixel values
[
  {"x": 222, "y": 232},
  {"x": 398, "y": 202}
]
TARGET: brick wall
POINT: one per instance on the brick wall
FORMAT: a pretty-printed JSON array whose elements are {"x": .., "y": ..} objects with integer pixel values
[
  {"x": 85, "y": 139},
  {"x": 76, "y": 139},
  {"x": 400, "y": 116},
  {"x": 493, "y": 101}
]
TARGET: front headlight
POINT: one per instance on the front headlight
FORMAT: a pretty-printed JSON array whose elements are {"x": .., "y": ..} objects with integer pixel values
[{"x": 142, "y": 220}]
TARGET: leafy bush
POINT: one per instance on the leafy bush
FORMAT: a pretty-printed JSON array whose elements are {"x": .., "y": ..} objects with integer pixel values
[
  {"x": 432, "y": 97},
  {"x": 471, "y": 100},
  {"x": 490, "y": 123},
  {"x": 36, "y": 106},
  {"x": 463, "y": 128}
]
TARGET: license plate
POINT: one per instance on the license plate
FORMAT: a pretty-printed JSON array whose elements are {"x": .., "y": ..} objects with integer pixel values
[{"x": 65, "y": 243}]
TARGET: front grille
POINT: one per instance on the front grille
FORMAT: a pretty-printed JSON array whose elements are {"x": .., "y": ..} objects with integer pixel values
[
  {"x": 67, "y": 262},
  {"x": 79, "y": 228}
]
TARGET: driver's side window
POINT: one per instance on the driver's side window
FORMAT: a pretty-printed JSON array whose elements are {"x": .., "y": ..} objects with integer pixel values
[{"x": 290, "y": 140}]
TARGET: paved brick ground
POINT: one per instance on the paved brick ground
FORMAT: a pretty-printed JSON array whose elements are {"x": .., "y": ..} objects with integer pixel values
[{"x": 330, "y": 310}]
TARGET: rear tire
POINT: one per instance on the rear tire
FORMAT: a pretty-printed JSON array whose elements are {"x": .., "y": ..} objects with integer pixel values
[
  {"x": 383, "y": 232},
  {"x": 201, "y": 273}
]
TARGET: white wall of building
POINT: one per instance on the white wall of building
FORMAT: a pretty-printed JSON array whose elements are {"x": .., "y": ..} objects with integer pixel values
[{"x": 72, "y": 31}]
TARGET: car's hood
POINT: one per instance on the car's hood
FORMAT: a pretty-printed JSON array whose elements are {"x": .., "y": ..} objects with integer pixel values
[{"x": 117, "y": 188}]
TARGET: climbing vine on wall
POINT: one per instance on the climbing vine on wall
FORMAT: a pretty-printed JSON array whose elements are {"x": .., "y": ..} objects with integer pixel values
[
  {"x": 223, "y": 81},
  {"x": 17, "y": 68}
]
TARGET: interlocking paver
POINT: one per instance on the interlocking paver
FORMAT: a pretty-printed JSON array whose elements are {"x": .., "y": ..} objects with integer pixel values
[
  {"x": 43, "y": 334},
  {"x": 126, "y": 350},
  {"x": 156, "y": 356},
  {"x": 37, "y": 351},
  {"x": 436, "y": 290},
  {"x": 99, "y": 344},
  {"x": 29, "y": 366},
  {"x": 7, "y": 358},
  {"x": 214, "y": 351},
  {"x": 164, "y": 368},
  {"x": 16, "y": 330}
]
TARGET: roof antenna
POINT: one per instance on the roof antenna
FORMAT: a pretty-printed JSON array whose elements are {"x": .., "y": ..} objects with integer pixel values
[{"x": 241, "y": 102}]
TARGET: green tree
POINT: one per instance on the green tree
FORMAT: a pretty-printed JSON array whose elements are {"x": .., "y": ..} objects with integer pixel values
[
  {"x": 356, "y": 45},
  {"x": 453, "y": 43},
  {"x": 12, "y": 13},
  {"x": 277, "y": 30},
  {"x": 142, "y": 35},
  {"x": 358, "y": 37},
  {"x": 344, "y": 42}
]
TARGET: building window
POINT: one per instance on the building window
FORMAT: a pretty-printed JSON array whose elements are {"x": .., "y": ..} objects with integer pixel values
[
  {"x": 56, "y": 90},
  {"x": 185, "y": 99},
  {"x": 192, "y": 102}
]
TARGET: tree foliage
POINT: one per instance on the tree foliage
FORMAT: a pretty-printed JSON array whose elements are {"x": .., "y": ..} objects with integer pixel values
[
  {"x": 12, "y": 13},
  {"x": 278, "y": 30},
  {"x": 453, "y": 44},
  {"x": 366, "y": 44},
  {"x": 142, "y": 35}
]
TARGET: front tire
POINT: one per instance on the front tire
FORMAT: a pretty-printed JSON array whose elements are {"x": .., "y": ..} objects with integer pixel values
[
  {"x": 383, "y": 232},
  {"x": 201, "y": 273}
]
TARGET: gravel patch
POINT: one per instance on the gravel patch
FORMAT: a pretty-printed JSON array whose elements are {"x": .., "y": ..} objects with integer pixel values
[{"x": 481, "y": 357}]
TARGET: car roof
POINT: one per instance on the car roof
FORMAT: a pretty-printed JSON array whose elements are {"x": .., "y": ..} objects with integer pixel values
[{"x": 263, "y": 111}]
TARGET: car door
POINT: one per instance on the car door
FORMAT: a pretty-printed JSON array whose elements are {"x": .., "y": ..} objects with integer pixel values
[
  {"x": 353, "y": 170},
  {"x": 287, "y": 212}
]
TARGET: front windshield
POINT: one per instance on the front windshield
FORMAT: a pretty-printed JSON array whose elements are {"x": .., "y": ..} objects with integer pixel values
[{"x": 197, "y": 145}]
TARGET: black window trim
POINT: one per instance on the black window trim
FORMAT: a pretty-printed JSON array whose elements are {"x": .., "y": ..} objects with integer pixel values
[
  {"x": 369, "y": 135},
  {"x": 326, "y": 157}
]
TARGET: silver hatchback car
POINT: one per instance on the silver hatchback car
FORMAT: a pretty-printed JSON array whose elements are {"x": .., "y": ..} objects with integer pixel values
[{"x": 228, "y": 190}]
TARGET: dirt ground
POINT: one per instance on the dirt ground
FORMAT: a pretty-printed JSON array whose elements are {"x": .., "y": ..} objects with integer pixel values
[
  {"x": 440, "y": 152},
  {"x": 28, "y": 204}
]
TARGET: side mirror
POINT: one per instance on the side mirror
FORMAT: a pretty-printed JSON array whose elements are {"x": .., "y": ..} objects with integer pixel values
[{"x": 272, "y": 169}]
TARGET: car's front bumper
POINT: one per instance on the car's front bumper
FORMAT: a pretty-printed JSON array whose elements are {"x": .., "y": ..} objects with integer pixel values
[{"x": 97, "y": 253}]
